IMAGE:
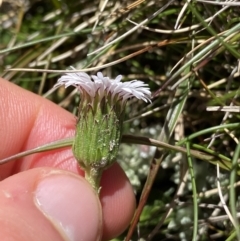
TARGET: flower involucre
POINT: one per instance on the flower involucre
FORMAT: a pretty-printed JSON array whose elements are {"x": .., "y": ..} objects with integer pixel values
[{"x": 100, "y": 119}]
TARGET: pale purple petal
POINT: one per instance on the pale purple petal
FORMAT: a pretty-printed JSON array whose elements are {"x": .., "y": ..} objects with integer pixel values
[
  {"x": 118, "y": 79},
  {"x": 98, "y": 84}
]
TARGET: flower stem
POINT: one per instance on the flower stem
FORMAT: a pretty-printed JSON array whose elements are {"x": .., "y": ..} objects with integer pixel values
[{"x": 93, "y": 176}]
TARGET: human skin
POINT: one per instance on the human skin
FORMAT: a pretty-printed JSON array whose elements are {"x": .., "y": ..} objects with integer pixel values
[{"x": 44, "y": 196}]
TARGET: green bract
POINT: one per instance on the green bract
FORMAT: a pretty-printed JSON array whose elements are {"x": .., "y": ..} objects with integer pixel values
[
  {"x": 98, "y": 135},
  {"x": 100, "y": 119}
]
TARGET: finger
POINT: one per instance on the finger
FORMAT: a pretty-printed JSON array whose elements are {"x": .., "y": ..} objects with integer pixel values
[
  {"x": 49, "y": 204},
  {"x": 118, "y": 202},
  {"x": 29, "y": 121}
]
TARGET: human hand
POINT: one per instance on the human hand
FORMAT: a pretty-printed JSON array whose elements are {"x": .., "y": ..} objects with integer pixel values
[{"x": 52, "y": 201}]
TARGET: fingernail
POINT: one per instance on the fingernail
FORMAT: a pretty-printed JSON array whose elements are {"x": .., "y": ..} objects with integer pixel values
[{"x": 71, "y": 205}]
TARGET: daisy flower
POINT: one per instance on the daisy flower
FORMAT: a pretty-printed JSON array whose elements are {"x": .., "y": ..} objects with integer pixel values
[{"x": 100, "y": 118}]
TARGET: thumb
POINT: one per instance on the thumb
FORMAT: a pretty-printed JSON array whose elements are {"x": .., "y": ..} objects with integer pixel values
[{"x": 49, "y": 204}]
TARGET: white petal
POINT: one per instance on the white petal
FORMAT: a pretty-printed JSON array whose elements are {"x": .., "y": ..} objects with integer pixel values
[
  {"x": 118, "y": 78},
  {"x": 98, "y": 84}
]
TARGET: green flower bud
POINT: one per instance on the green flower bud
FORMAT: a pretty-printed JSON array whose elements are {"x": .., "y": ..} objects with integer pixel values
[
  {"x": 100, "y": 119},
  {"x": 98, "y": 135}
]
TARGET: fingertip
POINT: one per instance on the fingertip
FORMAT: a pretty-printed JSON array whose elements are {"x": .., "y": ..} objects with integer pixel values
[
  {"x": 49, "y": 204},
  {"x": 71, "y": 205}
]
